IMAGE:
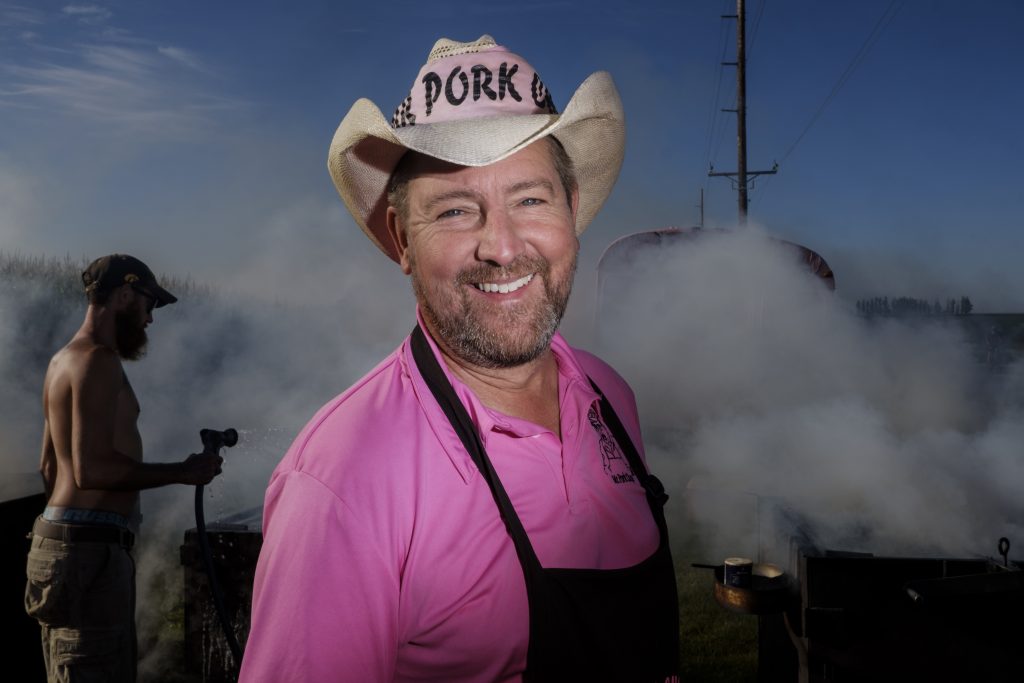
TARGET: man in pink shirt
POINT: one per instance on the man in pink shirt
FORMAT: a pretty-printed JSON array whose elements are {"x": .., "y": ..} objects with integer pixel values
[{"x": 477, "y": 507}]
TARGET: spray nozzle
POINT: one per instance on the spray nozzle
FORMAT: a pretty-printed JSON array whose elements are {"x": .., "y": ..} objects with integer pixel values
[{"x": 214, "y": 440}]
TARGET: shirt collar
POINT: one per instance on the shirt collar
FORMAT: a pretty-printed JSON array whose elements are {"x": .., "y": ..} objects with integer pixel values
[{"x": 573, "y": 385}]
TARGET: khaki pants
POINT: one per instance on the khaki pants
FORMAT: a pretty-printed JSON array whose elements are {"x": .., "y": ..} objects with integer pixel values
[{"x": 83, "y": 595}]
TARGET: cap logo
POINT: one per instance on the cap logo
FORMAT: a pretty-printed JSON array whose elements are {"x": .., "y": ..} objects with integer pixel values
[
  {"x": 482, "y": 77},
  {"x": 540, "y": 94},
  {"x": 131, "y": 278},
  {"x": 476, "y": 85}
]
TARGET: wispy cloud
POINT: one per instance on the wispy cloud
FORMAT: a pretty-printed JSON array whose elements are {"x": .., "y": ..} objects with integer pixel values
[
  {"x": 79, "y": 88},
  {"x": 182, "y": 56},
  {"x": 132, "y": 62},
  {"x": 114, "y": 85},
  {"x": 108, "y": 75},
  {"x": 19, "y": 15},
  {"x": 89, "y": 14}
]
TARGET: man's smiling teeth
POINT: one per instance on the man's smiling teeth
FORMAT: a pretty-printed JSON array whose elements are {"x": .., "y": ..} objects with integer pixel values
[{"x": 506, "y": 287}]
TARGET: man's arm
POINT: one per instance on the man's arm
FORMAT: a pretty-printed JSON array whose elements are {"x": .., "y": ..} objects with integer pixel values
[
  {"x": 95, "y": 462},
  {"x": 326, "y": 595}
]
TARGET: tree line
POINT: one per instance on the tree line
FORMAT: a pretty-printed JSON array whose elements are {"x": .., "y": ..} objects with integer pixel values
[{"x": 905, "y": 305}]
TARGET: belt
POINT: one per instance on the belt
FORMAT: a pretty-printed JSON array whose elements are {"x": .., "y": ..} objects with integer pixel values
[{"x": 83, "y": 533}]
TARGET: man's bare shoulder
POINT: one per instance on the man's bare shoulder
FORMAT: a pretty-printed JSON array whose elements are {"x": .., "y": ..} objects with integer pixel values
[{"x": 84, "y": 359}]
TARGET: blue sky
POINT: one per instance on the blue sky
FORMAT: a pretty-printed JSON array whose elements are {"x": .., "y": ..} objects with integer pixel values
[{"x": 195, "y": 134}]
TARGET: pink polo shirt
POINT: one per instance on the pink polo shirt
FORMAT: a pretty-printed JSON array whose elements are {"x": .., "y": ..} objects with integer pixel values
[{"x": 384, "y": 557}]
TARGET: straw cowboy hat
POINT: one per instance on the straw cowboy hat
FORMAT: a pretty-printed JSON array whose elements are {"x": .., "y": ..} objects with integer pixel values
[{"x": 473, "y": 104}]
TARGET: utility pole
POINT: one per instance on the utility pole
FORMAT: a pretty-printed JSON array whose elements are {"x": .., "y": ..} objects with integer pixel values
[
  {"x": 702, "y": 208},
  {"x": 741, "y": 177}
]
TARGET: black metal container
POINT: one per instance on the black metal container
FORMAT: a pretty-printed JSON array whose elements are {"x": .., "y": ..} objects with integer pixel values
[{"x": 235, "y": 549}]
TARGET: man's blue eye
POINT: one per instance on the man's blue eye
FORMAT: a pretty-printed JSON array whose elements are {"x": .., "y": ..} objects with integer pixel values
[{"x": 450, "y": 213}]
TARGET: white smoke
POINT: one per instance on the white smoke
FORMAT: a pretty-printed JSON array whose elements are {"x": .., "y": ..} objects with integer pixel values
[
  {"x": 259, "y": 352},
  {"x": 756, "y": 386},
  {"x": 760, "y": 389}
]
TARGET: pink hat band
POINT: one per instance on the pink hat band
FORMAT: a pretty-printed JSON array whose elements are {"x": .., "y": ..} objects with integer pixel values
[{"x": 489, "y": 81}]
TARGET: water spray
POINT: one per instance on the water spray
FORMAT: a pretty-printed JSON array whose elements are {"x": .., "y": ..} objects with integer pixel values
[{"x": 213, "y": 441}]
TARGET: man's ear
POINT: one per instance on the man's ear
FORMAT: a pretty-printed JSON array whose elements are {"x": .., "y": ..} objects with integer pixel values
[
  {"x": 399, "y": 239},
  {"x": 124, "y": 295},
  {"x": 575, "y": 203}
]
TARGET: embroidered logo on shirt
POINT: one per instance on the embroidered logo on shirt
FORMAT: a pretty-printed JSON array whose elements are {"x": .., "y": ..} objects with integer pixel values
[{"x": 615, "y": 466}]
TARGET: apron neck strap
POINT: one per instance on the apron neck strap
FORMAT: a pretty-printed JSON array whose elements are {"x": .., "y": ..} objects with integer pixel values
[{"x": 466, "y": 430}]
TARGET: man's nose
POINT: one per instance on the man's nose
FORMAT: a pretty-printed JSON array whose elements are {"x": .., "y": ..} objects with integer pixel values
[{"x": 500, "y": 242}]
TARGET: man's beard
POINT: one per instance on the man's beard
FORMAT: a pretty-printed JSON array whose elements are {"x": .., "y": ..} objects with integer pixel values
[
  {"x": 514, "y": 335},
  {"x": 130, "y": 334}
]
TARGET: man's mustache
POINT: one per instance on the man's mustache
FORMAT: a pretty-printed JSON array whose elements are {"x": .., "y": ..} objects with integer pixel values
[{"x": 521, "y": 266}]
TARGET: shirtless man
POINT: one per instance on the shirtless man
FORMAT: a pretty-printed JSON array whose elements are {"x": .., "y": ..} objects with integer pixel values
[{"x": 81, "y": 573}]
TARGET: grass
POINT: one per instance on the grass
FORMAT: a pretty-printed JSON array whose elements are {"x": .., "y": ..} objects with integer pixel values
[
  {"x": 715, "y": 645},
  {"x": 63, "y": 276}
]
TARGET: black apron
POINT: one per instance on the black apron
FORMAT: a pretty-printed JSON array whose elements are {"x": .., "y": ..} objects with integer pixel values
[{"x": 585, "y": 624}]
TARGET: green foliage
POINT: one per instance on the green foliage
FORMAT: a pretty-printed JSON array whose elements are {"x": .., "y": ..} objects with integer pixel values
[
  {"x": 715, "y": 645},
  {"x": 44, "y": 297},
  {"x": 908, "y": 306}
]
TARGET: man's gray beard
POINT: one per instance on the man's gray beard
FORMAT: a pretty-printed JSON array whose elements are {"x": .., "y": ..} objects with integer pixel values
[{"x": 468, "y": 338}]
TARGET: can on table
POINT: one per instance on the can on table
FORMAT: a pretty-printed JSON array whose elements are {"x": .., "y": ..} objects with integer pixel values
[{"x": 737, "y": 572}]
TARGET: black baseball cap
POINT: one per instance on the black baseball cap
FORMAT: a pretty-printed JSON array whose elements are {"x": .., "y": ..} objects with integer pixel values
[{"x": 108, "y": 272}]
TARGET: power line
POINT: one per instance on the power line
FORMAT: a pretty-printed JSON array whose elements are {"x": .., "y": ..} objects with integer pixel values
[
  {"x": 757, "y": 23},
  {"x": 869, "y": 42}
]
